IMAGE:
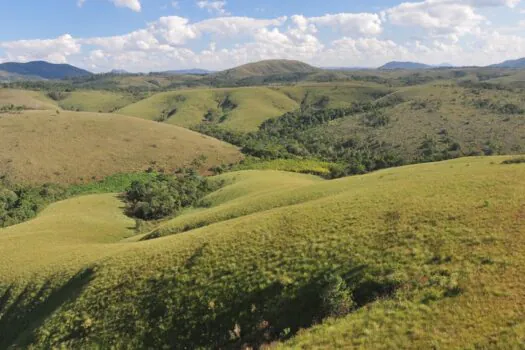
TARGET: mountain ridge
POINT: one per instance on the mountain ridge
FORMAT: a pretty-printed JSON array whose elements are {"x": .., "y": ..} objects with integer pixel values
[{"x": 43, "y": 69}]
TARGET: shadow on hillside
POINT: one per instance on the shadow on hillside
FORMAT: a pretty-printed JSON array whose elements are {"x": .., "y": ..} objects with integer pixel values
[
  {"x": 31, "y": 307},
  {"x": 251, "y": 319}
]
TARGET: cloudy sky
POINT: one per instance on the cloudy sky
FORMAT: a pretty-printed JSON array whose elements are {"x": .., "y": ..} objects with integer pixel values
[{"x": 152, "y": 35}]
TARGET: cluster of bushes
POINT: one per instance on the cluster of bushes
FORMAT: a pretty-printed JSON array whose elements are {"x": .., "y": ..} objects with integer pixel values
[
  {"x": 507, "y": 108},
  {"x": 296, "y": 135},
  {"x": 11, "y": 108},
  {"x": 519, "y": 160},
  {"x": 166, "y": 195},
  {"x": 20, "y": 203},
  {"x": 57, "y": 95}
]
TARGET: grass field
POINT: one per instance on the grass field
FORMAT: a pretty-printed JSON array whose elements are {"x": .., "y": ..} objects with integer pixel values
[
  {"x": 96, "y": 101},
  {"x": 433, "y": 255},
  {"x": 42, "y": 146},
  {"x": 28, "y": 99}
]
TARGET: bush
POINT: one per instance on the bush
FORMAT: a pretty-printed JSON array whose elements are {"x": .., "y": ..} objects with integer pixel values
[
  {"x": 336, "y": 299},
  {"x": 514, "y": 161},
  {"x": 165, "y": 195}
]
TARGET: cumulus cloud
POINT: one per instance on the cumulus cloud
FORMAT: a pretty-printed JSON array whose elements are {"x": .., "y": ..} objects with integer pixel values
[
  {"x": 438, "y": 17},
  {"x": 351, "y": 23},
  {"x": 217, "y": 7},
  {"x": 449, "y": 31},
  {"x": 53, "y": 50},
  {"x": 232, "y": 26}
]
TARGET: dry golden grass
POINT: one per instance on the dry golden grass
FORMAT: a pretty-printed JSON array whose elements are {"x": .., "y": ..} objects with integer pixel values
[
  {"x": 42, "y": 146},
  {"x": 29, "y": 99}
]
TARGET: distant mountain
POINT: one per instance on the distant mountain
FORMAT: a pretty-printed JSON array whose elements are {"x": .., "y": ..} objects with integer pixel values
[
  {"x": 404, "y": 65},
  {"x": 519, "y": 63},
  {"x": 193, "y": 71},
  {"x": 345, "y": 68},
  {"x": 44, "y": 70},
  {"x": 119, "y": 72},
  {"x": 444, "y": 65},
  {"x": 268, "y": 67}
]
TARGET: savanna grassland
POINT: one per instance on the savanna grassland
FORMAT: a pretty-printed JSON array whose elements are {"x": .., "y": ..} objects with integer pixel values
[
  {"x": 274, "y": 205},
  {"x": 430, "y": 254}
]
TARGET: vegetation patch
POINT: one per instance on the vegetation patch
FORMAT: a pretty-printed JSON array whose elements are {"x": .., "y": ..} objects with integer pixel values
[
  {"x": 518, "y": 160},
  {"x": 164, "y": 196}
]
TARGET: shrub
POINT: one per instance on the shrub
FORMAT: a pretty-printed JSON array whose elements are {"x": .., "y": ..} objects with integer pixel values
[
  {"x": 165, "y": 195},
  {"x": 336, "y": 299},
  {"x": 514, "y": 161}
]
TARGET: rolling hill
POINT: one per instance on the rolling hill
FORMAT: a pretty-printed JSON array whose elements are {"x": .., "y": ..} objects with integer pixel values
[
  {"x": 244, "y": 109},
  {"x": 446, "y": 117},
  {"x": 44, "y": 70},
  {"x": 27, "y": 99},
  {"x": 70, "y": 147},
  {"x": 96, "y": 101},
  {"x": 435, "y": 265},
  {"x": 266, "y": 68}
]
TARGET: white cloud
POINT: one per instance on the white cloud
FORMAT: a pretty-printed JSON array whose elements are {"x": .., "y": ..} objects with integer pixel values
[
  {"x": 175, "y": 4},
  {"x": 351, "y": 23},
  {"x": 438, "y": 17},
  {"x": 232, "y": 26},
  {"x": 448, "y": 30},
  {"x": 131, "y": 4},
  {"x": 489, "y": 3},
  {"x": 53, "y": 50},
  {"x": 217, "y": 7}
]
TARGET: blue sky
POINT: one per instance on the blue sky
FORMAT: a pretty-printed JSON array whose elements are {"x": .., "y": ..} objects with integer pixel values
[{"x": 145, "y": 35}]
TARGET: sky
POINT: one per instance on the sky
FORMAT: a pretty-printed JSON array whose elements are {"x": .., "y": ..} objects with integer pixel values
[{"x": 155, "y": 35}]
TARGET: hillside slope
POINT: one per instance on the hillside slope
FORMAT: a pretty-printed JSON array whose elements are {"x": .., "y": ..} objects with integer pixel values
[
  {"x": 245, "y": 109},
  {"x": 442, "y": 118},
  {"x": 437, "y": 265},
  {"x": 42, "y": 146},
  {"x": 27, "y": 99}
]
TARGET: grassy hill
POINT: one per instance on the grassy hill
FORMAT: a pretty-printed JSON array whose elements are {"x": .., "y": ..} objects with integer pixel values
[
  {"x": 244, "y": 109},
  {"x": 267, "y": 67},
  {"x": 445, "y": 115},
  {"x": 96, "y": 101},
  {"x": 436, "y": 265},
  {"x": 27, "y": 99},
  {"x": 42, "y": 146}
]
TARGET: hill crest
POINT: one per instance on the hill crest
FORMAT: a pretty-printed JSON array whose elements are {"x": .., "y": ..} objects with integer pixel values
[{"x": 268, "y": 67}]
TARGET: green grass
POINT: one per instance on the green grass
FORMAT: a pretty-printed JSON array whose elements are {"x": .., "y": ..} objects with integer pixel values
[
  {"x": 253, "y": 105},
  {"x": 96, "y": 101},
  {"x": 440, "y": 244},
  {"x": 188, "y": 107},
  {"x": 305, "y": 166}
]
